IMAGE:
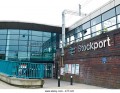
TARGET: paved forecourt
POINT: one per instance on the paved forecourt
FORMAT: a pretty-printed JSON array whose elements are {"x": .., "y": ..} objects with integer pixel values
[{"x": 53, "y": 84}]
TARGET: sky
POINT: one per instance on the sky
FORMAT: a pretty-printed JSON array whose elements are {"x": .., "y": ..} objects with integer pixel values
[{"x": 45, "y": 11}]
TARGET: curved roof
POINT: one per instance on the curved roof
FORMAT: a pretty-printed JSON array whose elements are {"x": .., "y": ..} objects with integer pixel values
[{"x": 30, "y": 26}]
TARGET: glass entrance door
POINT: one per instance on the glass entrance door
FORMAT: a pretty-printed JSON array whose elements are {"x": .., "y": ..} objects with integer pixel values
[{"x": 48, "y": 70}]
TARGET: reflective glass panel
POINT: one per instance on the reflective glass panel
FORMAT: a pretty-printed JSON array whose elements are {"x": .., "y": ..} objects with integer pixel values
[
  {"x": 96, "y": 20},
  {"x": 96, "y": 30},
  {"x": 47, "y": 34},
  {"x": 12, "y": 42},
  {"x": 3, "y": 31},
  {"x": 36, "y": 38},
  {"x": 109, "y": 22},
  {"x": 37, "y": 33},
  {"x": 12, "y": 31},
  {"x": 86, "y": 25},
  {"x": 2, "y": 42},
  {"x": 13, "y": 37},
  {"x": 108, "y": 14},
  {"x": 23, "y": 48},
  {"x": 46, "y": 39},
  {"x": 2, "y": 48},
  {"x": 2, "y": 36},
  {"x": 12, "y": 48},
  {"x": 118, "y": 19},
  {"x": 118, "y": 9}
]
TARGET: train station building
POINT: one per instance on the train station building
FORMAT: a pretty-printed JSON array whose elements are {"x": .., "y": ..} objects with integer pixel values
[{"x": 91, "y": 52}]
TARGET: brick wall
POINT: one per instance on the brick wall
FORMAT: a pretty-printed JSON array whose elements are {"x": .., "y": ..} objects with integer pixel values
[{"x": 92, "y": 70}]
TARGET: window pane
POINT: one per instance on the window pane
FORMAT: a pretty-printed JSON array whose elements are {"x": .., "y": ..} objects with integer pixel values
[
  {"x": 47, "y": 34},
  {"x": 86, "y": 25},
  {"x": 118, "y": 9},
  {"x": 23, "y": 48},
  {"x": 37, "y": 33},
  {"x": 23, "y": 37},
  {"x": 2, "y": 36},
  {"x": 12, "y": 48},
  {"x": 111, "y": 28},
  {"x": 86, "y": 32},
  {"x": 96, "y": 33},
  {"x": 118, "y": 25},
  {"x": 36, "y": 38},
  {"x": 24, "y": 32},
  {"x": 96, "y": 30},
  {"x": 11, "y": 31},
  {"x": 35, "y": 49},
  {"x": 2, "y": 48},
  {"x": 2, "y": 55},
  {"x": 36, "y": 43},
  {"x": 86, "y": 37},
  {"x": 68, "y": 41},
  {"x": 79, "y": 35},
  {"x": 96, "y": 20},
  {"x": 12, "y": 42},
  {"x": 118, "y": 19},
  {"x": 13, "y": 37},
  {"x": 12, "y": 55},
  {"x": 54, "y": 34},
  {"x": 3, "y": 31},
  {"x": 23, "y": 56},
  {"x": 46, "y": 38},
  {"x": 23, "y": 43},
  {"x": 79, "y": 39},
  {"x": 109, "y": 22},
  {"x": 71, "y": 39},
  {"x": 108, "y": 14},
  {"x": 2, "y": 42},
  {"x": 77, "y": 30}
]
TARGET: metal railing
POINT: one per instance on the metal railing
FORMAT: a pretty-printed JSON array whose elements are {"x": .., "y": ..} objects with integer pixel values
[{"x": 22, "y": 69}]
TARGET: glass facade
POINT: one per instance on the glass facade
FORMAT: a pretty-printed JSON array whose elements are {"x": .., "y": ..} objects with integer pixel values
[
  {"x": 104, "y": 22},
  {"x": 27, "y": 45}
]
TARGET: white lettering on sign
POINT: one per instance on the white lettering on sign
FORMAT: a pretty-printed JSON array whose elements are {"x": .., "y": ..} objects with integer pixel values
[
  {"x": 94, "y": 45},
  {"x": 91, "y": 46}
]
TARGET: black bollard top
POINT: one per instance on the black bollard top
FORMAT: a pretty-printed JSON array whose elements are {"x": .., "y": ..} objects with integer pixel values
[{"x": 58, "y": 77}]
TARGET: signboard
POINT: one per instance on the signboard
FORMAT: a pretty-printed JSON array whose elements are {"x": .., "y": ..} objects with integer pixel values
[
  {"x": 71, "y": 50},
  {"x": 62, "y": 71},
  {"x": 104, "y": 60},
  {"x": 71, "y": 68},
  {"x": 77, "y": 69},
  {"x": 90, "y": 46}
]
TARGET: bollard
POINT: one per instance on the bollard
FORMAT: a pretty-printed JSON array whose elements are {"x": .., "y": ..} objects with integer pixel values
[
  {"x": 71, "y": 80},
  {"x": 58, "y": 81}
]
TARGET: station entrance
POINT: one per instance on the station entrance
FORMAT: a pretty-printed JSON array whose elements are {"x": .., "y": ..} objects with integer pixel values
[{"x": 48, "y": 71}]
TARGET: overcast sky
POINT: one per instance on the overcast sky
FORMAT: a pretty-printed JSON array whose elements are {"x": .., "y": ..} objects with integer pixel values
[{"x": 45, "y": 11}]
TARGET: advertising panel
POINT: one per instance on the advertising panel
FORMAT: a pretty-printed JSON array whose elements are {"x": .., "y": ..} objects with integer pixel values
[
  {"x": 66, "y": 68},
  {"x": 73, "y": 68},
  {"x": 77, "y": 69},
  {"x": 62, "y": 71},
  {"x": 69, "y": 68}
]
